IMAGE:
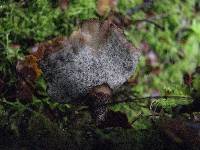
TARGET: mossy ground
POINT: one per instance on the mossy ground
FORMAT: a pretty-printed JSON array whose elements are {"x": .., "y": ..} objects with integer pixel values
[{"x": 45, "y": 124}]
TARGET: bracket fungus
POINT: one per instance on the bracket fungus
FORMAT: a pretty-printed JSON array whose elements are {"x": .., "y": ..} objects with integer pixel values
[{"x": 95, "y": 54}]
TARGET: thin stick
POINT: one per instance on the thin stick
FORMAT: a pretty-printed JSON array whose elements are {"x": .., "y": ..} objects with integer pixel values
[
  {"x": 147, "y": 98},
  {"x": 151, "y": 22},
  {"x": 138, "y": 117}
]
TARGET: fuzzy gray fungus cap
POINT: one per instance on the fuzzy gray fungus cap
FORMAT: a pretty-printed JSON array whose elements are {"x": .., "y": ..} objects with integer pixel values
[{"x": 96, "y": 53}]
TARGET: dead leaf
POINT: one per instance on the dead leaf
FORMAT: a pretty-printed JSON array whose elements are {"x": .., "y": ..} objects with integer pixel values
[
  {"x": 120, "y": 20},
  {"x": 115, "y": 119},
  {"x": 28, "y": 68},
  {"x": 24, "y": 92},
  {"x": 27, "y": 71},
  {"x": 156, "y": 70},
  {"x": 105, "y": 6},
  {"x": 133, "y": 80},
  {"x": 45, "y": 48}
]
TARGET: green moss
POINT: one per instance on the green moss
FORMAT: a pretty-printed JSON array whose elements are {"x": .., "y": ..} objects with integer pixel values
[{"x": 25, "y": 23}]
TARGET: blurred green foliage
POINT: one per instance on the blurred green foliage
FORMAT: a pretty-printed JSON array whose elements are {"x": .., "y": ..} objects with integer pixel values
[{"x": 176, "y": 46}]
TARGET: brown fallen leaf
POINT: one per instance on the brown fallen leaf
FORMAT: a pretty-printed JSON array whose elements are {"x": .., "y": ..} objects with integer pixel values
[
  {"x": 28, "y": 68},
  {"x": 115, "y": 119},
  {"x": 105, "y": 6},
  {"x": 133, "y": 80},
  {"x": 24, "y": 92},
  {"x": 27, "y": 72},
  {"x": 119, "y": 19},
  {"x": 45, "y": 48}
]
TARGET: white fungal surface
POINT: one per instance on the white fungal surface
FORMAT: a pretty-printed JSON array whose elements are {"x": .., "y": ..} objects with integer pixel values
[{"x": 97, "y": 53}]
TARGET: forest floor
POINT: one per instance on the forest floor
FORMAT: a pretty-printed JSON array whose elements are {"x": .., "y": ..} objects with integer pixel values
[{"x": 167, "y": 32}]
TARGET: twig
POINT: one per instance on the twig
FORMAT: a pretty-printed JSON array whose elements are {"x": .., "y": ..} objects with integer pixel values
[
  {"x": 146, "y": 98},
  {"x": 138, "y": 117},
  {"x": 158, "y": 17},
  {"x": 144, "y": 5},
  {"x": 151, "y": 22}
]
